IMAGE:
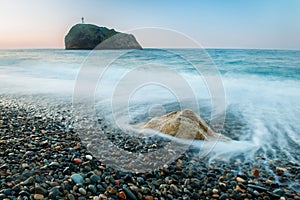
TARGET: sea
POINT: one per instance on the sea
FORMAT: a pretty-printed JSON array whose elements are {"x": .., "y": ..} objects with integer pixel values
[{"x": 250, "y": 95}]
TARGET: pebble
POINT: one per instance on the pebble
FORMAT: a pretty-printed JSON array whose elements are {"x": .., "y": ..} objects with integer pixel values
[
  {"x": 92, "y": 188},
  {"x": 195, "y": 182},
  {"x": 129, "y": 194},
  {"x": 77, "y": 178},
  {"x": 28, "y": 181},
  {"x": 140, "y": 180},
  {"x": 77, "y": 161},
  {"x": 54, "y": 193},
  {"x": 54, "y": 164},
  {"x": 103, "y": 197},
  {"x": 215, "y": 191},
  {"x": 25, "y": 165},
  {"x": 255, "y": 173},
  {"x": 240, "y": 180},
  {"x": 95, "y": 178},
  {"x": 40, "y": 190},
  {"x": 224, "y": 196},
  {"x": 7, "y": 191},
  {"x": 148, "y": 197},
  {"x": 111, "y": 190},
  {"x": 278, "y": 191},
  {"x": 223, "y": 186},
  {"x": 174, "y": 189},
  {"x": 71, "y": 197},
  {"x": 24, "y": 193},
  {"x": 89, "y": 157},
  {"x": 38, "y": 196},
  {"x": 82, "y": 191},
  {"x": 122, "y": 195},
  {"x": 258, "y": 188}
]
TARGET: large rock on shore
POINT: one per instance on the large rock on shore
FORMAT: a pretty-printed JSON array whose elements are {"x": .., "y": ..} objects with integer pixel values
[
  {"x": 88, "y": 36},
  {"x": 184, "y": 124}
]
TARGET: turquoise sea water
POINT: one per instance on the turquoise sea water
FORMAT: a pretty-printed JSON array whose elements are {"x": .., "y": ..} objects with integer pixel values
[{"x": 260, "y": 88}]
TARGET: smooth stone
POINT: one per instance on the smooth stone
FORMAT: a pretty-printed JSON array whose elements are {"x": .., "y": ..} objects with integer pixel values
[
  {"x": 54, "y": 164},
  {"x": 140, "y": 180},
  {"x": 223, "y": 186},
  {"x": 149, "y": 197},
  {"x": 7, "y": 191},
  {"x": 92, "y": 188},
  {"x": 40, "y": 190},
  {"x": 174, "y": 189},
  {"x": 77, "y": 178},
  {"x": 240, "y": 180},
  {"x": 185, "y": 197},
  {"x": 24, "y": 193},
  {"x": 122, "y": 195},
  {"x": 54, "y": 193},
  {"x": 38, "y": 196},
  {"x": 89, "y": 157},
  {"x": 77, "y": 161},
  {"x": 82, "y": 191},
  {"x": 100, "y": 188},
  {"x": 129, "y": 194},
  {"x": 258, "y": 188},
  {"x": 215, "y": 191},
  {"x": 278, "y": 192},
  {"x": 28, "y": 181},
  {"x": 95, "y": 178},
  {"x": 25, "y": 165},
  {"x": 16, "y": 187},
  {"x": 224, "y": 196},
  {"x": 87, "y": 169},
  {"x": 111, "y": 190},
  {"x": 195, "y": 182},
  {"x": 71, "y": 197}
]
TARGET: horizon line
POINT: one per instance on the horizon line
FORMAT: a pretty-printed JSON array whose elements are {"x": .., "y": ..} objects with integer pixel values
[{"x": 223, "y": 48}]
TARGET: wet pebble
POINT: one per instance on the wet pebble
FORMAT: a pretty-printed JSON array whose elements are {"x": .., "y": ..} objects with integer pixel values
[
  {"x": 38, "y": 196},
  {"x": 92, "y": 188},
  {"x": 129, "y": 194},
  {"x": 77, "y": 178},
  {"x": 82, "y": 191}
]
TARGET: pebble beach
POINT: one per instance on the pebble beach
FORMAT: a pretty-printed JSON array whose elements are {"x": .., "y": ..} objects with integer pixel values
[{"x": 43, "y": 157}]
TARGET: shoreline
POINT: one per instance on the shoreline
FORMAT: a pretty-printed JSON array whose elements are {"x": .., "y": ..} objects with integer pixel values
[{"x": 42, "y": 157}]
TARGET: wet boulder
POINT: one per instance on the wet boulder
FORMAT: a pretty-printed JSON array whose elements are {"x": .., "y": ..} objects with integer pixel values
[{"x": 184, "y": 124}]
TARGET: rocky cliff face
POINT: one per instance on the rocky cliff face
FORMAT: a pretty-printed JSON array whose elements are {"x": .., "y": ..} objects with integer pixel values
[
  {"x": 89, "y": 36},
  {"x": 184, "y": 124}
]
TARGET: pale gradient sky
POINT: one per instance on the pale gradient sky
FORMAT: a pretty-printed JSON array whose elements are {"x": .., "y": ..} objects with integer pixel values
[{"x": 213, "y": 23}]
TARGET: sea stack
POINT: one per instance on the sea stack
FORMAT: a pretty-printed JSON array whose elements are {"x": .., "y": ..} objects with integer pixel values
[
  {"x": 90, "y": 36},
  {"x": 184, "y": 124}
]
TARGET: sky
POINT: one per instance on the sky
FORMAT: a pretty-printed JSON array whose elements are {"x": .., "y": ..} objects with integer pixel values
[{"x": 263, "y": 24}]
